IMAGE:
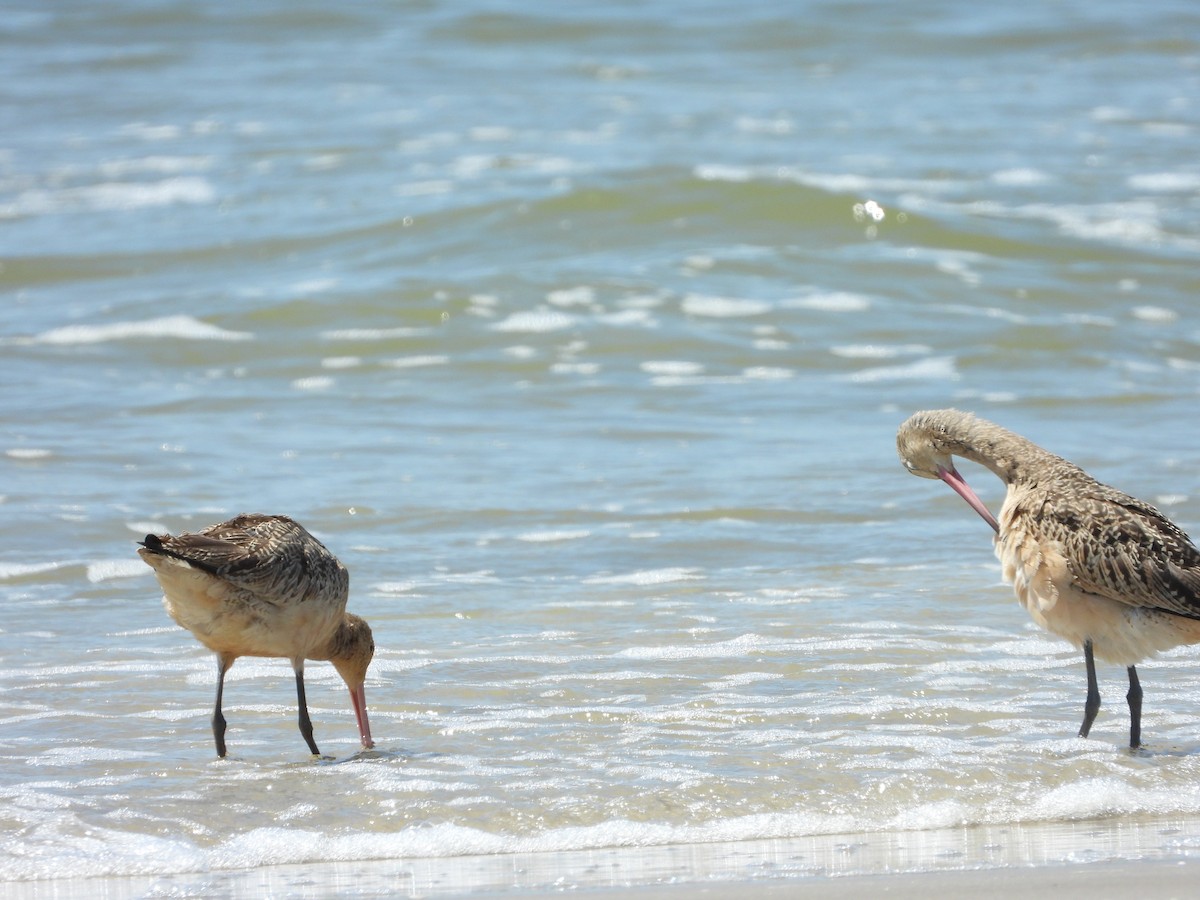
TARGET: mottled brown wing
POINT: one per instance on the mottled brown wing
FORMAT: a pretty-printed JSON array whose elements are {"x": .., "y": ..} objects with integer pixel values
[
  {"x": 1126, "y": 550},
  {"x": 271, "y": 557}
]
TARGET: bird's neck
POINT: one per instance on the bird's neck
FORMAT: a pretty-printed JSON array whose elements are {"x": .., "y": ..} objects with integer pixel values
[
  {"x": 1011, "y": 457},
  {"x": 339, "y": 642}
]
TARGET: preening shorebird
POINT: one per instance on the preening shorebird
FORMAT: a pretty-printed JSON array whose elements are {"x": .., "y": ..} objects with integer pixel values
[
  {"x": 1104, "y": 570},
  {"x": 263, "y": 586}
]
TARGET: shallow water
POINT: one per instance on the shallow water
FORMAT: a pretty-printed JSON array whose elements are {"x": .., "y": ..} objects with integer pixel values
[{"x": 581, "y": 337}]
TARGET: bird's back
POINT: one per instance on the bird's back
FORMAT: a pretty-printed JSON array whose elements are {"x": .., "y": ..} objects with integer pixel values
[
  {"x": 254, "y": 585},
  {"x": 1115, "y": 545}
]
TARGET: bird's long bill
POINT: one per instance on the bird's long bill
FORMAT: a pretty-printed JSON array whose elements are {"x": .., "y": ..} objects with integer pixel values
[
  {"x": 358, "y": 697},
  {"x": 956, "y": 481}
]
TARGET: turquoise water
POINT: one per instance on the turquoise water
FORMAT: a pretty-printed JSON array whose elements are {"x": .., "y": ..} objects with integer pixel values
[{"x": 581, "y": 336}]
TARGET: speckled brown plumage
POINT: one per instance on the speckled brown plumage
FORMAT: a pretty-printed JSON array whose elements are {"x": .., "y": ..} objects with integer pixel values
[
  {"x": 1106, "y": 571},
  {"x": 260, "y": 585}
]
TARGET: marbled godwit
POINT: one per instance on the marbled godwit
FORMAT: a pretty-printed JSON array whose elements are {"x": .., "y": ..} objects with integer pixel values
[
  {"x": 1098, "y": 567},
  {"x": 263, "y": 586}
]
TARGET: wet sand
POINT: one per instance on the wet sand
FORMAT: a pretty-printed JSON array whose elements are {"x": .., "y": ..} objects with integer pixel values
[
  {"x": 1113, "y": 858},
  {"x": 1140, "y": 880},
  {"x": 1112, "y": 881}
]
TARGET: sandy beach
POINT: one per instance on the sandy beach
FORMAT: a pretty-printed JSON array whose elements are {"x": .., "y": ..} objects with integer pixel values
[
  {"x": 1149, "y": 858},
  {"x": 1114, "y": 881},
  {"x": 1137, "y": 880}
]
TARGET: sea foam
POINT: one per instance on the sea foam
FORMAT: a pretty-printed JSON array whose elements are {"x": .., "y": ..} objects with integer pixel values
[
  {"x": 180, "y": 327},
  {"x": 535, "y": 322},
  {"x": 722, "y": 307}
]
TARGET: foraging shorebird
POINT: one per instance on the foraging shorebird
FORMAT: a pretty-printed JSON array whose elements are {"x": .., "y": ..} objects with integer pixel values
[
  {"x": 1092, "y": 564},
  {"x": 263, "y": 586}
]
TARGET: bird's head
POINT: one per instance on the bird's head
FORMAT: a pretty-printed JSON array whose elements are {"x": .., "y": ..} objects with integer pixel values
[
  {"x": 927, "y": 444},
  {"x": 351, "y": 652},
  {"x": 924, "y": 452}
]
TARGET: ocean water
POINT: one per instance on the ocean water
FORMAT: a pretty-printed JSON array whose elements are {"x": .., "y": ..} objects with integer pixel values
[{"x": 581, "y": 336}]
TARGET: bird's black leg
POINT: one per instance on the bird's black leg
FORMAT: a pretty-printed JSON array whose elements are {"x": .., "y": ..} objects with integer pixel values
[
  {"x": 1092, "y": 706},
  {"x": 218, "y": 718},
  {"x": 1135, "y": 709},
  {"x": 305, "y": 721}
]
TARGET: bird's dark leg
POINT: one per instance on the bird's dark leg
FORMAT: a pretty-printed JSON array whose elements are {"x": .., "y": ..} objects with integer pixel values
[
  {"x": 218, "y": 718},
  {"x": 1135, "y": 709},
  {"x": 305, "y": 721},
  {"x": 1092, "y": 706}
]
